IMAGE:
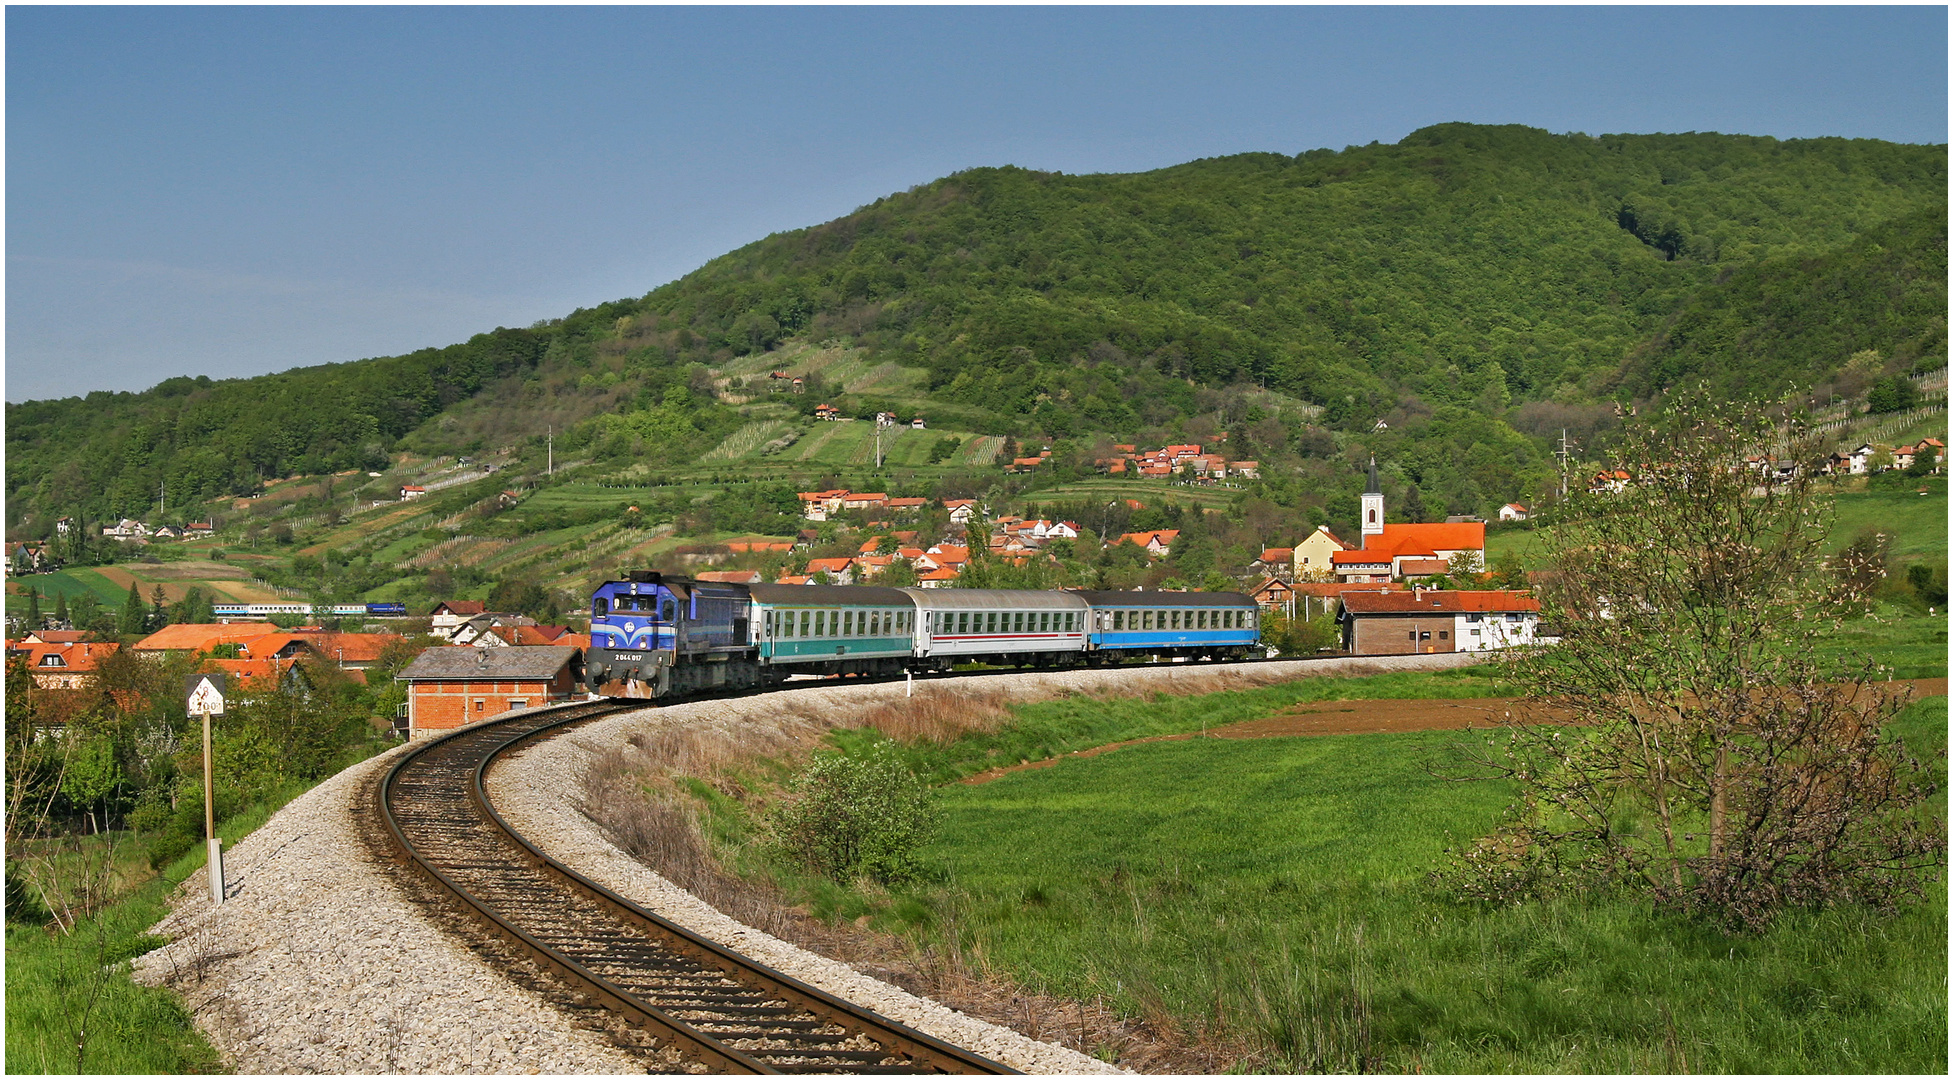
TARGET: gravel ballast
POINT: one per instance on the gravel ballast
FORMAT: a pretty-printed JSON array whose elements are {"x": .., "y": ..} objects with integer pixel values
[
  {"x": 317, "y": 962},
  {"x": 320, "y": 962}
]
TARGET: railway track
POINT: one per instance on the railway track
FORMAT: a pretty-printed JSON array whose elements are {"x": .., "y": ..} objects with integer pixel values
[{"x": 676, "y": 992}]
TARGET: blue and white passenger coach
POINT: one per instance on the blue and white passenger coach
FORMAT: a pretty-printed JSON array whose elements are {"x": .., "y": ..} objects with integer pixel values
[{"x": 1216, "y": 626}]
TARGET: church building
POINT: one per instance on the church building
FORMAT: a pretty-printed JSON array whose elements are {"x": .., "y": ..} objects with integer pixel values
[{"x": 1390, "y": 551}]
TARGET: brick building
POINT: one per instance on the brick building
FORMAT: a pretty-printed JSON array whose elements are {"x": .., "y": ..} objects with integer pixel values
[
  {"x": 1436, "y": 621},
  {"x": 452, "y": 685}
]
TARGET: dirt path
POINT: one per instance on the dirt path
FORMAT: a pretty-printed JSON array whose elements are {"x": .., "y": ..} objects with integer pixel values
[{"x": 1365, "y": 717}]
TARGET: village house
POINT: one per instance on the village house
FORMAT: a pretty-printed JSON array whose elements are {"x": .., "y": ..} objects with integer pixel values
[
  {"x": 1273, "y": 594},
  {"x": 1436, "y": 621},
  {"x": 1278, "y": 563},
  {"x": 818, "y": 505},
  {"x": 198, "y": 528},
  {"x": 1513, "y": 512},
  {"x": 826, "y": 412},
  {"x": 1609, "y": 481},
  {"x": 1246, "y": 470},
  {"x": 839, "y": 571},
  {"x": 66, "y": 665},
  {"x": 1158, "y": 543},
  {"x": 960, "y": 510},
  {"x": 909, "y": 505},
  {"x": 733, "y": 577},
  {"x": 860, "y": 500},
  {"x": 450, "y": 686},
  {"x": 411, "y": 491},
  {"x": 449, "y": 614},
  {"x": 475, "y": 631},
  {"x": 1312, "y": 555},
  {"x": 917, "y": 424},
  {"x": 127, "y": 529}
]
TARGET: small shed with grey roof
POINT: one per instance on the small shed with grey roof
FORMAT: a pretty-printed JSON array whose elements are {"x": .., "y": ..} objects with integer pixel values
[{"x": 452, "y": 685}]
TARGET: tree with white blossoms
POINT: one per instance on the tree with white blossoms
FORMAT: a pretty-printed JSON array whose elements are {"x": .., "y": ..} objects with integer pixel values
[{"x": 1690, "y": 735}]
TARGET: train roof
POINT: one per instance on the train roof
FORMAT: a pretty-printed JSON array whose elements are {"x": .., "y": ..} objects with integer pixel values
[
  {"x": 832, "y": 595},
  {"x": 1118, "y": 598},
  {"x": 965, "y": 599}
]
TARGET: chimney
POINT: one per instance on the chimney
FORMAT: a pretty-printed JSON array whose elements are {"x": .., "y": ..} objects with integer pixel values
[
  {"x": 481, "y": 657},
  {"x": 1417, "y": 593}
]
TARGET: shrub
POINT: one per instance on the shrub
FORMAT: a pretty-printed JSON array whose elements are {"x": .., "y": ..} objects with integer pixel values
[{"x": 856, "y": 815}]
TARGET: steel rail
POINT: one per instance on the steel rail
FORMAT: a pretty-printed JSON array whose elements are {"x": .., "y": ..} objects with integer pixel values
[{"x": 669, "y": 969}]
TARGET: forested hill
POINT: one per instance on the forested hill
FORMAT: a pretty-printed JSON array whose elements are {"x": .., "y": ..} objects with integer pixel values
[{"x": 1470, "y": 267}]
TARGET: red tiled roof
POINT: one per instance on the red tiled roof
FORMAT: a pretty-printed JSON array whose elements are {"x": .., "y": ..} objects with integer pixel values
[
  {"x": 460, "y": 607},
  {"x": 1270, "y": 555},
  {"x": 1420, "y": 567},
  {"x": 75, "y": 656},
  {"x": 1430, "y": 538},
  {"x": 1437, "y": 600},
  {"x": 198, "y": 637},
  {"x": 1359, "y": 557},
  {"x": 261, "y": 674},
  {"x": 832, "y": 566},
  {"x": 734, "y": 577}
]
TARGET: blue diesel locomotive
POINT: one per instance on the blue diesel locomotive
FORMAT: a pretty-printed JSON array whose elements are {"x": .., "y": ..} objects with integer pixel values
[{"x": 657, "y": 637}]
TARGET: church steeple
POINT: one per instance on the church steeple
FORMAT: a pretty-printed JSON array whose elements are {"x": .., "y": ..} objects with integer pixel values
[{"x": 1372, "y": 505}]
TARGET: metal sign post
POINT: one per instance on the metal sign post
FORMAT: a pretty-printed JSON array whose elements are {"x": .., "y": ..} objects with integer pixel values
[{"x": 206, "y": 697}]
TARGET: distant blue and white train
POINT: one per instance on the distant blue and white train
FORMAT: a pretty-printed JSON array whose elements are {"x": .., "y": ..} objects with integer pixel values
[
  {"x": 238, "y": 611},
  {"x": 656, "y": 637}
]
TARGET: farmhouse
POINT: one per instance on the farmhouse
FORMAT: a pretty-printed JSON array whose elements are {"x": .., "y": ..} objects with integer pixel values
[
  {"x": 1436, "y": 621},
  {"x": 62, "y": 665},
  {"x": 1312, "y": 555},
  {"x": 449, "y": 686}
]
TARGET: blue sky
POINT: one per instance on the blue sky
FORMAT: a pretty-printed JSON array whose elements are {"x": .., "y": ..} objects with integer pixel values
[{"x": 229, "y": 191}]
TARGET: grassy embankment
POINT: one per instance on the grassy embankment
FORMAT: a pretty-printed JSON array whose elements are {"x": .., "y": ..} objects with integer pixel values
[
  {"x": 62, "y": 987},
  {"x": 1271, "y": 898}
]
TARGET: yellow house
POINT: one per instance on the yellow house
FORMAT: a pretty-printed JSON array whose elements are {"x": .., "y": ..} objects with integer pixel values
[{"x": 1312, "y": 555}]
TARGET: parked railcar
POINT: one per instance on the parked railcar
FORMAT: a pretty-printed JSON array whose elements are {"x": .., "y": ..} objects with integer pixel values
[
  {"x": 1217, "y": 626},
  {"x": 997, "y": 626}
]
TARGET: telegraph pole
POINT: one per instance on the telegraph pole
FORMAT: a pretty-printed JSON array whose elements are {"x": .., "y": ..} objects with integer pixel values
[
  {"x": 549, "y": 443},
  {"x": 1565, "y": 455}
]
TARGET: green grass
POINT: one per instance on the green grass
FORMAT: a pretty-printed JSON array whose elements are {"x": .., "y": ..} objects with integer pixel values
[
  {"x": 1912, "y": 644},
  {"x": 1047, "y": 729},
  {"x": 72, "y": 582},
  {"x": 1917, "y": 525},
  {"x": 1278, "y": 888},
  {"x": 131, "y": 1029}
]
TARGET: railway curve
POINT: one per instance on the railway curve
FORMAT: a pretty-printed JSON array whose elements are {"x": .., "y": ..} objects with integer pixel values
[{"x": 679, "y": 992}]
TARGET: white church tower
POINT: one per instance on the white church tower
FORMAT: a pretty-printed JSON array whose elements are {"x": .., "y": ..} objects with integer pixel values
[{"x": 1372, "y": 505}]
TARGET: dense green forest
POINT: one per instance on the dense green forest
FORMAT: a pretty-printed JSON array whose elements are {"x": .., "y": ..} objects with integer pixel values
[{"x": 1473, "y": 287}]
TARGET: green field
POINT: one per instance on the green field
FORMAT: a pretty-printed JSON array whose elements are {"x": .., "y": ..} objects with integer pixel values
[
  {"x": 1916, "y": 523},
  {"x": 69, "y": 583},
  {"x": 1277, "y": 889}
]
